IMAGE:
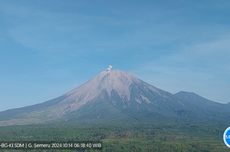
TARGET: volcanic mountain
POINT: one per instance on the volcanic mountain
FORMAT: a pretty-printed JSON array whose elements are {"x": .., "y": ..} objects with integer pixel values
[{"x": 110, "y": 93}]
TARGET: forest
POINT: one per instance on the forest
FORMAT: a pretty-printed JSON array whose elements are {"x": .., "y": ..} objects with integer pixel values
[{"x": 160, "y": 135}]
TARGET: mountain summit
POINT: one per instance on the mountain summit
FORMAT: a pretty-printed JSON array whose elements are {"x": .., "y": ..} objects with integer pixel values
[
  {"x": 111, "y": 93},
  {"x": 119, "y": 89},
  {"x": 116, "y": 80}
]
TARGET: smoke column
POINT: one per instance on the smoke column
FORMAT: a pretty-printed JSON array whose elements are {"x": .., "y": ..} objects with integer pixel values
[{"x": 109, "y": 68}]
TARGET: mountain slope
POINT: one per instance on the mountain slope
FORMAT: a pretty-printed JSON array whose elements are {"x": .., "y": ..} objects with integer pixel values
[
  {"x": 211, "y": 108},
  {"x": 113, "y": 94},
  {"x": 196, "y": 99}
]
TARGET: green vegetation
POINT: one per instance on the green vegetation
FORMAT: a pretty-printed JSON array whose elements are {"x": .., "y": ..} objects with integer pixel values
[{"x": 127, "y": 135}]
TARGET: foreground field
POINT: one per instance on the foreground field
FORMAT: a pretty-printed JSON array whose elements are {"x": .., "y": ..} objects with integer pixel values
[{"x": 126, "y": 135}]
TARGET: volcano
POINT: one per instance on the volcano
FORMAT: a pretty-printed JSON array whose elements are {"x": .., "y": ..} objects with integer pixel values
[{"x": 111, "y": 93}]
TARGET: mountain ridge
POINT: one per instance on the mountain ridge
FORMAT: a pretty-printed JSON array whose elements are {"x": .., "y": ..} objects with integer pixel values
[{"x": 113, "y": 93}]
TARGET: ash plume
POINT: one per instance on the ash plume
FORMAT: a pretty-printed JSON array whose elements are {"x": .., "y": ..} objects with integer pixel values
[{"x": 109, "y": 68}]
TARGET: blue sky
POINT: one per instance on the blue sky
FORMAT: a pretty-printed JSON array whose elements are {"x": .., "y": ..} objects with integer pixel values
[{"x": 49, "y": 47}]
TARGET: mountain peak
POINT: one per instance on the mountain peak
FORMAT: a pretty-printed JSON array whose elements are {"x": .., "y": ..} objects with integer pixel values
[
  {"x": 195, "y": 98},
  {"x": 108, "y": 81},
  {"x": 119, "y": 75},
  {"x": 114, "y": 92}
]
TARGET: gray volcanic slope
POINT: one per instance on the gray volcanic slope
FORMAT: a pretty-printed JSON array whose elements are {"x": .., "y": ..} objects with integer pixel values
[{"x": 110, "y": 92}]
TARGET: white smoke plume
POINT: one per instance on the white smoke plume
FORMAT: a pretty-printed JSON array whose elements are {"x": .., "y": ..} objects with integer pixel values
[{"x": 109, "y": 68}]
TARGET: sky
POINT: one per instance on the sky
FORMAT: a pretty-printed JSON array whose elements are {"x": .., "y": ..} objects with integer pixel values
[{"x": 48, "y": 48}]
